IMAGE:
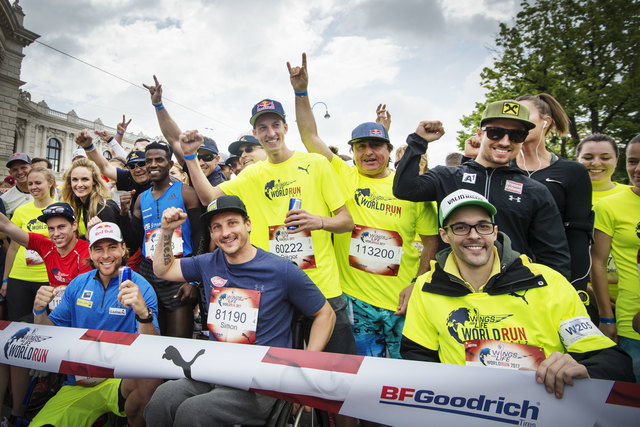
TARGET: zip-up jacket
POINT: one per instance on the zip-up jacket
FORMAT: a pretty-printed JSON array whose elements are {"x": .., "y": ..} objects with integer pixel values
[
  {"x": 527, "y": 212},
  {"x": 522, "y": 302}
]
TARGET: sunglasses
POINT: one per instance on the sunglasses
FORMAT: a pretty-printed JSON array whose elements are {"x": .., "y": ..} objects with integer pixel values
[
  {"x": 247, "y": 149},
  {"x": 496, "y": 134},
  {"x": 53, "y": 210},
  {"x": 206, "y": 157},
  {"x": 134, "y": 165}
]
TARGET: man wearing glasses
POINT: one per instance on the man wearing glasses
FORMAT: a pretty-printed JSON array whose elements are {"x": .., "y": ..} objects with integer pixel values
[
  {"x": 248, "y": 150},
  {"x": 484, "y": 304},
  {"x": 527, "y": 212}
]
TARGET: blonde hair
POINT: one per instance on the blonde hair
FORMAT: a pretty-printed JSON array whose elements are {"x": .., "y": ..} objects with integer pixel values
[
  {"x": 48, "y": 175},
  {"x": 99, "y": 193}
]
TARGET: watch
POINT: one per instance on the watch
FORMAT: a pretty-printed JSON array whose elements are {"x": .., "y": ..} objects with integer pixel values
[{"x": 149, "y": 318}]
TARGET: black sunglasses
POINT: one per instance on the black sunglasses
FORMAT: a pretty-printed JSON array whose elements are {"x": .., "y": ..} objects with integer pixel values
[
  {"x": 247, "y": 149},
  {"x": 496, "y": 134},
  {"x": 206, "y": 157},
  {"x": 132, "y": 166},
  {"x": 53, "y": 210}
]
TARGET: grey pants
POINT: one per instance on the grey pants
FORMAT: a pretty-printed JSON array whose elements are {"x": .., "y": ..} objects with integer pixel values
[{"x": 187, "y": 402}]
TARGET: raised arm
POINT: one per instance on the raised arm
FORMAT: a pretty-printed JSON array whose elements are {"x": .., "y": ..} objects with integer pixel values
[
  {"x": 304, "y": 116},
  {"x": 85, "y": 140},
  {"x": 169, "y": 128},
  {"x": 16, "y": 233},
  {"x": 190, "y": 141},
  {"x": 165, "y": 265}
]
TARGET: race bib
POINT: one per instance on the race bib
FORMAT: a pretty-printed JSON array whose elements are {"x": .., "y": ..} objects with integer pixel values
[
  {"x": 573, "y": 330},
  {"x": 504, "y": 355},
  {"x": 152, "y": 237},
  {"x": 32, "y": 257},
  {"x": 375, "y": 251},
  {"x": 297, "y": 247},
  {"x": 57, "y": 298},
  {"x": 233, "y": 314}
]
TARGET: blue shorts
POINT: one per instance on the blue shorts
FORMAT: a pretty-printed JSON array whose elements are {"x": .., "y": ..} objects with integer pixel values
[{"x": 375, "y": 329}]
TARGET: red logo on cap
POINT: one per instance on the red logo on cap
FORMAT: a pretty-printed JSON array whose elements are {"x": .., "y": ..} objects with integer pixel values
[
  {"x": 266, "y": 105},
  {"x": 375, "y": 132}
]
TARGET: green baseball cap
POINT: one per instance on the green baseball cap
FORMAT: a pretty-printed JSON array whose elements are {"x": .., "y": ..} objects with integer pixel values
[
  {"x": 507, "y": 109},
  {"x": 462, "y": 198}
]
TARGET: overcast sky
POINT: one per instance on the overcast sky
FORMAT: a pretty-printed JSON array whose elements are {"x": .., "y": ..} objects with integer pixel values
[{"x": 420, "y": 57}]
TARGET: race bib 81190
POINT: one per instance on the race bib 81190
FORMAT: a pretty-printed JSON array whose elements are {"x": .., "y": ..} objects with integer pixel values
[{"x": 233, "y": 314}]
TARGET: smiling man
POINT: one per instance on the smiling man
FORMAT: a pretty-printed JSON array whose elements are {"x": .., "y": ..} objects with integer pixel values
[
  {"x": 19, "y": 165},
  {"x": 481, "y": 300},
  {"x": 527, "y": 212},
  {"x": 248, "y": 151}
]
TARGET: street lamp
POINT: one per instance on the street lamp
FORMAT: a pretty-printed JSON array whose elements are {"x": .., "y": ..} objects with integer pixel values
[{"x": 326, "y": 112}]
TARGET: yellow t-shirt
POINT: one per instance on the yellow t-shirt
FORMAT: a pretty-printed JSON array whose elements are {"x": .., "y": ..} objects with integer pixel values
[
  {"x": 596, "y": 196},
  {"x": 618, "y": 216},
  {"x": 26, "y": 217},
  {"x": 266, "y": 189},
  {"x": 546, "y": 317},
  {"x": 377, "y": 260}
]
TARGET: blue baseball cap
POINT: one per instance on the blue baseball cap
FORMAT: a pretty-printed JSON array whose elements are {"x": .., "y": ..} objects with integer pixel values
[
  {"x": 18, "y": 157},
  {"x": 209, "y": 145},
  {"x": 135, "y": 157},
  {"x": 57, "y": 209},
  {"x": 266, "y": 106},
  {"x": 234, "y": 147},
  {"x": 369, "y": 130}
]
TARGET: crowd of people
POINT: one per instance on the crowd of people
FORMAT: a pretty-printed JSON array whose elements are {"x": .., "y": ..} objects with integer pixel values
[{"x": 500, "y": 247}]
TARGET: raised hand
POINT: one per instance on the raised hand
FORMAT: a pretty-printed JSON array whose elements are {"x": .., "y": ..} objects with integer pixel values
[
  {"x": 190, "y": 141},
  {"x": 173, "y": 218},
  {"x": 122, "y": 126},
  {"x": 383, "y": 116},
  {"x": 84, "y": 139},
  {"x": 103, "y": 135},
  {"x": 155, "y": 91},
  {"x": 472, "y": 146},
  {"x": 125, "y": 201},
  {"x": 430, "y": 130},
  {"x": 298, "y": 75}
]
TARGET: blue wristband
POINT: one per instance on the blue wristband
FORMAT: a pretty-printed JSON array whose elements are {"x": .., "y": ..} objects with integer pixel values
[
  {"x": 305, "y": 93},
  {"x": 160, "y": 107},
  {"x": 194, "y": 284},
  {"x": 5, "y": 280},
  {"x": 90, "y": 148},
  {"x": 191, "y": 156},
  {"x": 156, "y": 105},
  {"x": 39, "y": 312},
  {"x": 121, "y": 134},
  {"x": 608, "y": 320}
]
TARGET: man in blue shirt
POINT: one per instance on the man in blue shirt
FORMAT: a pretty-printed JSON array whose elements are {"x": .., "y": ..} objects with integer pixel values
[{"x": 251, "y": 295}]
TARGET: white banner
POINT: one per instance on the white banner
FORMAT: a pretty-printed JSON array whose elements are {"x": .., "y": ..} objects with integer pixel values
[{"x": 389, "y": 391}]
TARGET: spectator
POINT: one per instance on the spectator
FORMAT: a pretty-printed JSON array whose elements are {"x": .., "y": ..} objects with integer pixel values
[
  {"x": 39, "y": 161},
  {"x": 453, "y": 159},
  {"x": 19, "y": 165}
]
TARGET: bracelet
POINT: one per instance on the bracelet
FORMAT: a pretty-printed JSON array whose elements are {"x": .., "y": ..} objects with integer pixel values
[
  {"x": 159, "y": 107},
  {"x": 39, "y": 312},
  {"x": 608, "y": 320},
  {"x": 305, "y": 93},
  {"x": 156, "y": 104},
  {"x": 120, "y": 133},
  {"x": 191, "y": 156},
  {"x": 194, "y": 284},
  {"x": 89, "y": 148},
  {"x": 5, "y": 280}
]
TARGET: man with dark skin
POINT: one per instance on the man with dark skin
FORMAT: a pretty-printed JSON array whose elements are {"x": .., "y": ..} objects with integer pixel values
[{"x": 175, "y": 300}]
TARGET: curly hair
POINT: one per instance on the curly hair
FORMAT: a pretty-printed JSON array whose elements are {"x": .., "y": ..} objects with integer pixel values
[{"x": 99, "y": 193}]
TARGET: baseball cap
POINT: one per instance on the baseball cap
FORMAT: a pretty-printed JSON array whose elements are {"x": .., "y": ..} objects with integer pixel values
[
  {"x": 231, "y": 160},
  {"x": 57, "y": 209},
  {"x": 462, "y": 198},
  {"x": 104, "y": 230},
  {"x": 507, "y": 109},
  {"x": 234, "y": 147},
  {"x": 266, "y": 106},
  {"x": 209, "y": 145},
  {"x": 78, "y": 152},
  {"x": 18, "y": 157},
  {"x": 135, "y": 156},
  {"x": 222, "y": 204},
  {"x": 159, "y": 145},
  {"x": 369, "y": 130}
]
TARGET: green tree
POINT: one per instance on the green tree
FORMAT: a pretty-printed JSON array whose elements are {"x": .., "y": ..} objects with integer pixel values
[{"x": 584, "y": 53}]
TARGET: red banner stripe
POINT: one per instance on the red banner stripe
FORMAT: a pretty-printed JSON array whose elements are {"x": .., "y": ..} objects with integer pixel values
[
  {"x": 625, "y": 394},
  {"x": 122, "y": 338},
  {"x": 345, "y": 363},
  {"x": 86, "y": 370},
  {"x": 315, "y": 402},
  {"x": 4, "y": 324}
]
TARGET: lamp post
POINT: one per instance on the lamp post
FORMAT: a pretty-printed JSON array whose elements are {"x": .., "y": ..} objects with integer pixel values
[{"x": 326, "y": 109}]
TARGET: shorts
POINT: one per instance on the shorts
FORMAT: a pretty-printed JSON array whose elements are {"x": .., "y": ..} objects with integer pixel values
[
  {"x": 341, "y": 340},
  {"x": 75, "y": 405},
  {"x": 20, "y": 297},
  {"x": 375, "y": 329},
  {"x": 165, "y": 290}
]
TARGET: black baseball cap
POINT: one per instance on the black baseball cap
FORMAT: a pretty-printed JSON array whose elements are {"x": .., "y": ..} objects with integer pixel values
[
  {"x": 57, "y": 209},
  {"x": 223, "y": 204},
  {"x": 135, "y": 157},
  {"x": 234, "y": 147}
]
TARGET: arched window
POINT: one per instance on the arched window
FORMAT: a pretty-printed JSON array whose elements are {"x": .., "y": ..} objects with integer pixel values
[{"x": 53, "y": 153}]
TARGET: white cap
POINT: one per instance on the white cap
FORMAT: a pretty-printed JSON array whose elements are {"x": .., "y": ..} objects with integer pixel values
[
  {"x": 104, "y": 230},
  {"x": 461, "y": 198},
  {"x": 78, "y": 152}
]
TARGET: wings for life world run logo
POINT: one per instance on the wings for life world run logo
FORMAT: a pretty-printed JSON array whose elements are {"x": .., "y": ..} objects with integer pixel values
[
  {"x": 276, "y": 188},
  {"x": 466, "y": 324},
  {"x": 367, "y": 199},
  {"x": 24, "y": 345}
]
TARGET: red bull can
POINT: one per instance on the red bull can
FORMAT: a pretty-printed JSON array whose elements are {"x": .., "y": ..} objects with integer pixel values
[
  {"x": 294, "y": 203},
  {"x": 124, "y": 274}
]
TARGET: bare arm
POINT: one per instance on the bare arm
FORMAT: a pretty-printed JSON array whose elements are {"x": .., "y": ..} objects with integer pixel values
[
  {"x": 599, "y": 256},
  {"x": 322, "y": 328},
  {"x": 190, "y": 141},
  {"x": 8, "y": 263},
  {"x": 304, "y": 115},
  {"x": 16, "y": 233},
  {"x": 84, "y": 140},
  {"x": 169, "y": 128},
  {"x": 43, "y": 297},
  {"x": 302, "y": 220},
  {"x": 165, "y": 265}
]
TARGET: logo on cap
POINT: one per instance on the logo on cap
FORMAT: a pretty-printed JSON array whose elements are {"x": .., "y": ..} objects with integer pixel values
[
  {"x": 265, "y": 105},
  {"x": 213, "y": 205},
  {"x": 375, "y": 132},
  {"x": 511, "y": 108}
]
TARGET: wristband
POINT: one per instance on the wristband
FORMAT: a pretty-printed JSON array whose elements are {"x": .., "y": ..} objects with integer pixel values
[
  {"x": 305, "y": 93},
  {"x": 5, "y": 280},
  {"x": 39, "y": 311},
  {"x": 194, "y": 284},
  {"x": 608, "y": 320},
  {"x": 191, "y": 156},
  {"x": 159, "y": 107},
  {"x": 120, "y": 133},
  {"x": 149, "y": 318},
  {"x": 156, "y": 104},
  {"x": 89, "y": 148}
]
